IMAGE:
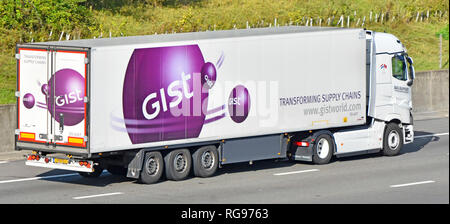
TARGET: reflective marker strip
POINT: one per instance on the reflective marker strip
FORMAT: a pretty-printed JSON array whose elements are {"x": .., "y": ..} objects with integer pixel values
[
  {"x": 76, "y": 140},
  {"x": 27, "y": 135}
]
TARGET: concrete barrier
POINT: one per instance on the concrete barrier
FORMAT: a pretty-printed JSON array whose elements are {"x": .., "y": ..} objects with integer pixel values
[
  {"x": 7, "y": 127},
  {"x": 430, "y": 96}
]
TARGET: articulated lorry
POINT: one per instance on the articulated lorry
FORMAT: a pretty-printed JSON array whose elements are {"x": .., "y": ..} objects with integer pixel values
[{"x": 176, "y": 104}]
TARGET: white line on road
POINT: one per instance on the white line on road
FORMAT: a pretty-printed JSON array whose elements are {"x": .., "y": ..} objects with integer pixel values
[
  {"x": 97, "y": 195},
  {"x": 415, "y": 183},
  {"x": 295, "y": 172},
  {"x": 38, "y": 178},
  {"x": 432, "y": 135},
  {"x": 3, "y": 162}
]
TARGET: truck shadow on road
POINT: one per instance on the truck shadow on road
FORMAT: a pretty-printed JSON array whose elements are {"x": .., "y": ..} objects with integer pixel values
[
  {"x": 107, "y": 179},
  {"x": 104, "y": 180},
  {"x": 417, "y": 145}
]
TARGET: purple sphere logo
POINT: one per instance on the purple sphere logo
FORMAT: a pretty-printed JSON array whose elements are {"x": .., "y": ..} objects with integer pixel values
[
  {"x": 67, "y": 87},
  {"x": 209, "y": 74},
  {"x": 239, "y": 104},
  {"x": 162, "y": 95},
  {"x": 44, "y": 89},
  {"x": 28, "y": 100}
]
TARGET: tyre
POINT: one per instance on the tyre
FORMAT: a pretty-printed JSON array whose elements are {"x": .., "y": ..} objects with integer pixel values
[
  {"x": 323, "y": 149},
  {"x": 97, "y": 172},
  {"x": 205, "y": 161},
  {"x": 117, "y": 170},
  {"x": 152, "y": 168},
  {"x": 178, "y": 164},
  {"x": 392, "y": 139}
]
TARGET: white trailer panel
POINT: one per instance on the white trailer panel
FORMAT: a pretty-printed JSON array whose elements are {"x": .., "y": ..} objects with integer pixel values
[
  {"x": 293, "y": 82},
  {"x": 175, "y": 89}
]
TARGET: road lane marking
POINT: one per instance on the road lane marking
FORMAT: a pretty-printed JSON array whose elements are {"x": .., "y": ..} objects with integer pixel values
[
  {"x": 295, "y": 172},
  {"x": 3, "y": 162},
  {"x": 431, "y": 135},
  {"x": 410, "y": 184},
  {"x": 38, "y": 178},
  {"x": 97, "y": 195}
]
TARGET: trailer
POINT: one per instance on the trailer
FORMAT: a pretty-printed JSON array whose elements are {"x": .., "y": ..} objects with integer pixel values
[{"x": 169, "y": 104}]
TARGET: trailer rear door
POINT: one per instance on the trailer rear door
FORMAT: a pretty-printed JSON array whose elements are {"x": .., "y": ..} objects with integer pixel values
[{"x": 52, "y": 97}]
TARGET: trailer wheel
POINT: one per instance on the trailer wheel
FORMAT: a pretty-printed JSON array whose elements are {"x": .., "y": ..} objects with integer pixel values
[
  {"x": 323, "y": 149},
  {"x": 178, "y": 164},
  {"x": 392, "y": 139},
  {"x": 152, "y": 169},
  {"x": 205, "y": 161},
  {"x": 97, "y": 172}
]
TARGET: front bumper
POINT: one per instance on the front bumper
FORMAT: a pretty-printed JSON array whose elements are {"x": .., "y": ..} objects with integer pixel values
[{"x": 408, "y": 134}]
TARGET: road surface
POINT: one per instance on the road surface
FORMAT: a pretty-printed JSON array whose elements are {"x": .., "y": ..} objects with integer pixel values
[{"x": 420, "y": 174}]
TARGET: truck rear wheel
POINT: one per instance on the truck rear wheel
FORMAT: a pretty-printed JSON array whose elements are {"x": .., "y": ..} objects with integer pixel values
[
  {"x": 152, "y": 169},
  {"x": 392, "y": 139},
  {"x": 178, "y": 164},
  {"x": 323, "y": 149},
  {"x": 205, "y": 161}
]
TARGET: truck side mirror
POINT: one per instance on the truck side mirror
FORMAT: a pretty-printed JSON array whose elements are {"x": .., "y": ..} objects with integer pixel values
[
  {"x": 412, "y": 75},
  {"x": 410, "y": 82}
]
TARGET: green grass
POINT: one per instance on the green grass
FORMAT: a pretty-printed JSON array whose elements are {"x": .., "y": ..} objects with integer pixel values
[{"x": 133, "y": 17}]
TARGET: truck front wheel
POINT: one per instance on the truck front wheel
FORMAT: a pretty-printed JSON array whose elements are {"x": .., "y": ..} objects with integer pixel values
[
  {"x": 323, "y": 149},
  {"x": 153, "y": 168},
  {"x": 393, "y": 139}
]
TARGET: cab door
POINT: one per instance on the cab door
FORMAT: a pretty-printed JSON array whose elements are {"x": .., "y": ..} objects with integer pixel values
[{"x": 401, "y": 93}]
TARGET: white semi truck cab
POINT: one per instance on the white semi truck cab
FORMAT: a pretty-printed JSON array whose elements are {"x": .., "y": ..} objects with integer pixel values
[
  {"x": 390, "y": 76},
  {"x": 90, "y": 105}
]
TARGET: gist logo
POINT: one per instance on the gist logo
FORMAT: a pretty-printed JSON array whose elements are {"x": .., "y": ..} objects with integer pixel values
[
  {"x": 69, "y": 98},
  {"x": 162, "y": 95},
  {"x": 66, "y": 86},
  {"x": 173, "y": 92}
]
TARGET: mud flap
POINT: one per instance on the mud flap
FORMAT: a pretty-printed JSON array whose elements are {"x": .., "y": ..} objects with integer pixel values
[
  {"x": 135, "y": 165},
  {"x": 304, "y": 154}
]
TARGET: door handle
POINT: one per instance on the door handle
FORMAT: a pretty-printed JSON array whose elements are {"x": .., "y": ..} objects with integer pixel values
[{"x": 61, "y": 122}]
